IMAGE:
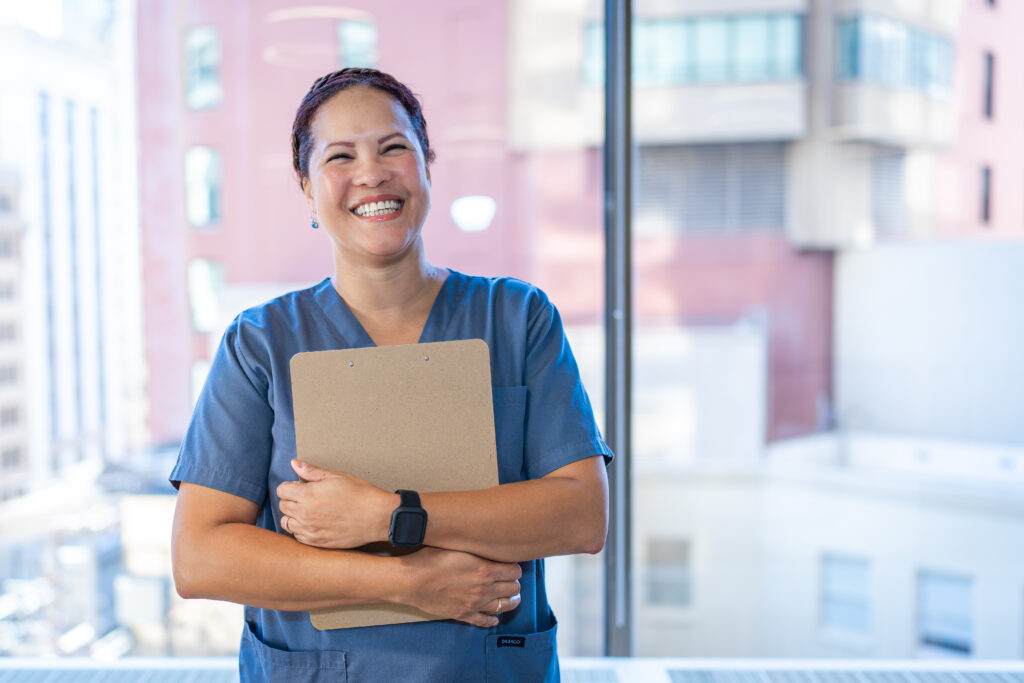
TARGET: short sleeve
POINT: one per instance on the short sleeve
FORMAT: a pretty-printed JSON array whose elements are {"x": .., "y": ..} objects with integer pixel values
[
  {"x": 228, "y": 443},
  {"x": 560, "y": 425}
]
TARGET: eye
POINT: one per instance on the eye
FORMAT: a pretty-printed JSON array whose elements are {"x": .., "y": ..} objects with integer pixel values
[
  {"x": 340, "y": 155},
  {"x": 394, "y": 147}
]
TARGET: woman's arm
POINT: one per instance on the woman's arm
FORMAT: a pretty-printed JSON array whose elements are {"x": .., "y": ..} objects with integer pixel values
[
  {"x": 562, "y": 513},
  {"x": 217, "y": 552}
]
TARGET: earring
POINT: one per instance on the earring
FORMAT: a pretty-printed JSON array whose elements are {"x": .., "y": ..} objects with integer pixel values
[{"x": 315, "y": 224}]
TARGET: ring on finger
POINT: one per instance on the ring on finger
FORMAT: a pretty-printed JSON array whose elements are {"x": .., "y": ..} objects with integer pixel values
[{"x": 497, "y": 610}]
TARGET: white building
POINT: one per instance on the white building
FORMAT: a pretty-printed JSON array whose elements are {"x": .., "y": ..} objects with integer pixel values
[{"x": 67, "y": 128}]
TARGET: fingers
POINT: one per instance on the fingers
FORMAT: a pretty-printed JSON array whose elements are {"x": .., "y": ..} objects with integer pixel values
[
  {"x": 289, "y": 490},
  {"x": 504, "y": 603},
  {"x": 307, "y": 471}
]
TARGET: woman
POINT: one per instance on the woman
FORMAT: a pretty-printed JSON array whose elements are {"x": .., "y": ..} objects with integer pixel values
[{"x": 254, "y": 526}]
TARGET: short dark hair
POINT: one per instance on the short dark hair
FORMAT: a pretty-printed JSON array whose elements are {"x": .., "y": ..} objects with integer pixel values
[{"x": 326, "y": 87}]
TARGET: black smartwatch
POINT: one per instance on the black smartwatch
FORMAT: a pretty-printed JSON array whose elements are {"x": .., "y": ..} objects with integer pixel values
[{"x": 408, "y": 521}]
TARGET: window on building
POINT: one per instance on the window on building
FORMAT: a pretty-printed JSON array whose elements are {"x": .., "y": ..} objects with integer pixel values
[
  {"x": 203, "y": 87},
  {"x": 8, "y": 374},
  {"x": 7, "y": 247},
  {"x": 8, "y": 331},
  {"x": 722, "y": 49},
  {"x": 357, "y": 43},
  {"x": 990, "y": 65},
  {"x": 203, "y": 180},
  {"x": 5, "y": 203},
  {"x": 11, "y": 457},
  {"x": 710, "y": 188},
  {"x": 944, "y": 613},
  {"x": 889, "y": 53},
  {"x": 9, "y": 415},
  {"x": 669, "y": 572},
  {"x": 986, "y": 194},
  {"x": 7, "y": 290},
  {"x": 845, "y": 594},
  {"x": 205, "y": 282},
  {"x": 888, "y": 190}
]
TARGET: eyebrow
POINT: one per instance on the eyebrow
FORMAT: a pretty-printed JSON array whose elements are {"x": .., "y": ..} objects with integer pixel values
[{"x": 352, "y": 144}]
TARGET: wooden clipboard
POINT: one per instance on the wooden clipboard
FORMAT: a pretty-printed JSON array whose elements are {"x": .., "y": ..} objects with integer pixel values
[{"x": 418, "y": 416}]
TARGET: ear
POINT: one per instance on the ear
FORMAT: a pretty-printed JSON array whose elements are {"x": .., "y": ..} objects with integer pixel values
[
  {"x": 428, "y": 175},
  {"x": 307, "y": 189}
]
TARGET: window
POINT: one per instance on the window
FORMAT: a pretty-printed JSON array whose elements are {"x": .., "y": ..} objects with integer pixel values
[
  {"x": 986, "y": 194},
  {"x": 7, "y": 290},
  {"x": 888, "y": 192},
  {"x": 886, "y": 52},
  {"x": 669, "y": 576},
  {"x": 8, "y": 331},
  {"x": 205, "y": 282},
  {"x": 9, "y": 415},
  {"x": 845, "y": 594},
  {"x": 202, "y": 186},
  {"x": 6, "y": 247},
  {"x": 357, "y": 43},
  {"x": 5, "y": 203},
  {"x": 726, "y": 49},
  {"x": 202, "y": 68},
  {"x": 11, "y": 458},
  {"x": 989, "y": 76},
  {"x": 944, "y": 613},
  {"x": 8, "y": 374},
  {"x": 710, "y": 188}
]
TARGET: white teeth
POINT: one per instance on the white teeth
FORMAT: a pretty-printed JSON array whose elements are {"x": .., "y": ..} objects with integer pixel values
[{"x": 370, "y": 209}]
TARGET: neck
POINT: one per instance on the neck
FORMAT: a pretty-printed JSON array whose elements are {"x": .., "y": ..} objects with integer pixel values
[{"x": 402, "y": 286}]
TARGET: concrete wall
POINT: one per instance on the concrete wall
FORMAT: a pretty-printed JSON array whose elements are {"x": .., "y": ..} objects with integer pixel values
[{"x": 928, "y": 340}]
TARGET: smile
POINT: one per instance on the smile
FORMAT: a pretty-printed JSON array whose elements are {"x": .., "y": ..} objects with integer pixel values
[{"x": 381, "y": 208}]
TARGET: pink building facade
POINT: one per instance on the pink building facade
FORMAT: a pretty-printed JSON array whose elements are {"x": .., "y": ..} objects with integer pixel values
[{"x": 547, "y": 227}]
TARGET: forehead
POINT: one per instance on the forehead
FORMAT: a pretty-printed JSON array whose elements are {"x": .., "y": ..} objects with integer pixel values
[{"x": 358, "y": 111}]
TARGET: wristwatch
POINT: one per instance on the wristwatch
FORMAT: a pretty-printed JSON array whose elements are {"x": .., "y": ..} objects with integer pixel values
[{"x": 408, "y": 521}]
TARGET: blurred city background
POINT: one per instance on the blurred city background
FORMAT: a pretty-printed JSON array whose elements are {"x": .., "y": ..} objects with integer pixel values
[{"x": 829, "y": 294}]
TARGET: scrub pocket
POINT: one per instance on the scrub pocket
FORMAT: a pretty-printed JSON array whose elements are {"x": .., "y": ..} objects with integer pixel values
[
  {"x": 509, "y": 431},
  {"x": 258, "y": 662},
  {"x": 516, "y": 658}
]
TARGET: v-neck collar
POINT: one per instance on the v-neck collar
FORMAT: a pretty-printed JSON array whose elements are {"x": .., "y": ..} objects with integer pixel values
[{"x": 348, "y": 326}]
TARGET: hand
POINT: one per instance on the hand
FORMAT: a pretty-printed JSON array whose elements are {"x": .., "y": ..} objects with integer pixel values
[
  {"x": 457, "y": 585},
  {"x": 331, "y": 509}
]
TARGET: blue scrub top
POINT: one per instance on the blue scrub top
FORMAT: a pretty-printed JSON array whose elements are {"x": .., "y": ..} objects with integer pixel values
[{"x": 242, "y": 438}]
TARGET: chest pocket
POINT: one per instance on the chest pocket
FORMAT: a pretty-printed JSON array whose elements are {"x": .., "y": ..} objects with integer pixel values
[{"x": 510, "y": 431}]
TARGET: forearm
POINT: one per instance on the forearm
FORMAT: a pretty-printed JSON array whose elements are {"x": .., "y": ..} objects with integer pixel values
[
  {"x": 554, "y": 515},
  {"x": 243, "y": 563}
]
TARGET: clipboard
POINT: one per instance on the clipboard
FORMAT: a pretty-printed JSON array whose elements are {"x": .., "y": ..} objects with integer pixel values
[{"x": 417, "y": 416}]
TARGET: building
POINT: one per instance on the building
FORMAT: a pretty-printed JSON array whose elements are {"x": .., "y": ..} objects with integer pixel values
[
  {"x": 800, "y": 166},
  {"x": 14, "y": 463},
  {"x": 67, "y": 132}
]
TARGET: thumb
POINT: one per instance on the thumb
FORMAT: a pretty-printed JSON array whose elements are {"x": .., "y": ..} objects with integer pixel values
[{"x": 308, "y": 472}]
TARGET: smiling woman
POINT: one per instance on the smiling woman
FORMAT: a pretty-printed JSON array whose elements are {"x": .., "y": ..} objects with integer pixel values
[{"x": 256, "y": 526}]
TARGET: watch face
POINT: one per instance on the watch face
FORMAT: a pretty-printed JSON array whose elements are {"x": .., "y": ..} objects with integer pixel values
[{"x": 408, "y": 527}]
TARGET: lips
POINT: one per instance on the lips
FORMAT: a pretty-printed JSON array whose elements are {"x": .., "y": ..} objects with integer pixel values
[{"x": 375, "y": 207}]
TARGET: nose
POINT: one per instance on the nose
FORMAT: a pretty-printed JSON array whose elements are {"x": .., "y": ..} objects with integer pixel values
[{"x": 370, "y": 172}]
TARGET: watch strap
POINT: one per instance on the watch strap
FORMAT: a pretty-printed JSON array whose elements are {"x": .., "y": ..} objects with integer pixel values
[{"x": 410, "y": 499}]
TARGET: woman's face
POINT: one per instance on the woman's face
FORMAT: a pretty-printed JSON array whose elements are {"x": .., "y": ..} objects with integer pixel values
[{"x": 368, "y": 184}]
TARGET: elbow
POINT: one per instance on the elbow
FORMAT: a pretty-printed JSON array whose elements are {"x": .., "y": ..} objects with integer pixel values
[
  {"x": 185, "y": 574},
  {"x": 596, "y": 535},
  {"x": 595, "y": 543}
]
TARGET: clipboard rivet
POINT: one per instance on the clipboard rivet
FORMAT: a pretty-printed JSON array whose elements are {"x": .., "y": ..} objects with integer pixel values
[
  {"x": 426, "y": 357},
  {"x": 351, "y": 363}
]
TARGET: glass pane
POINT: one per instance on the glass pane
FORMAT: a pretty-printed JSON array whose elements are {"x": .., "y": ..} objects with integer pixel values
[
  {"x": 752, "y": 44},
  {"x": 712, "y": 45},
  {"x": 109, "y": 167},
  {"x": 826, "y": 366}
]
